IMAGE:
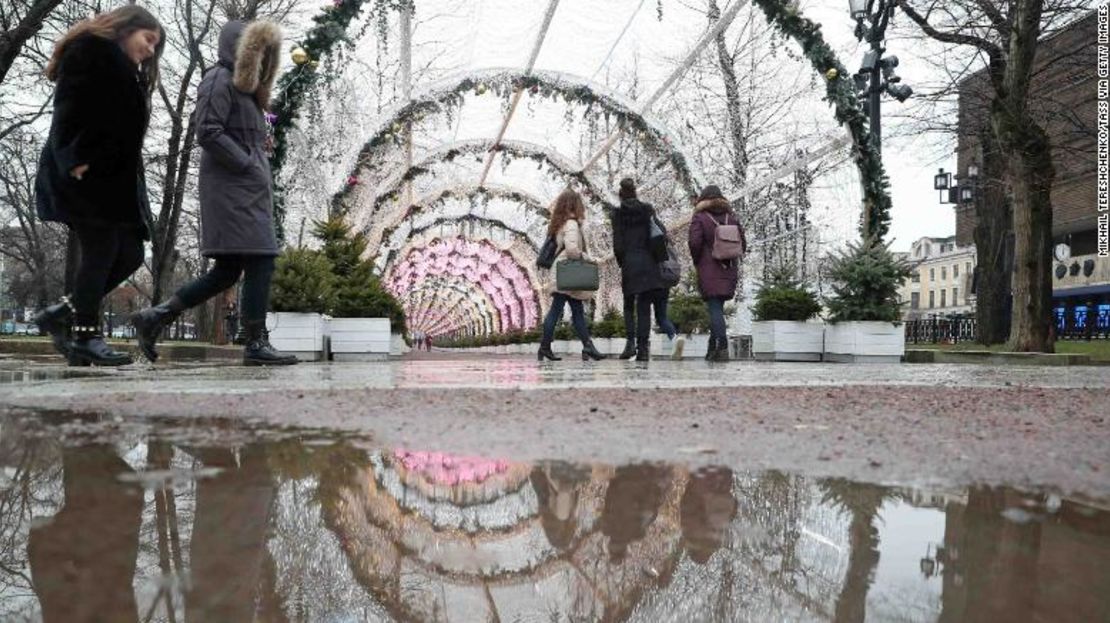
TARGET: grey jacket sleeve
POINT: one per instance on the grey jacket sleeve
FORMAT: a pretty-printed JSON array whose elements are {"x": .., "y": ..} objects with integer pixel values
[{"x": 213, "y": 108}]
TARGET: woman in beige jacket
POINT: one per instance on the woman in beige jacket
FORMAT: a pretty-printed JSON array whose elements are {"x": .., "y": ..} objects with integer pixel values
[{"x": 568, "y": 217}]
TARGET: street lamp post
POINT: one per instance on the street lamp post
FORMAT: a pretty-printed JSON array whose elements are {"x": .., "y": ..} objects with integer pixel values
[{"x": 876, "y": 75}]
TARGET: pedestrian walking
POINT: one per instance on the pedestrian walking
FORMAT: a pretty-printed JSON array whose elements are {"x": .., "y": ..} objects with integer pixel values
[
  {"x": 231, "y": 322},
  {"x": 90, "y": 173},
  {"x": 641, "y": 277},
  {"x": 236, "y": 189},
  {"x": 567, "y": 227},
  {"x": 717, "y": 242}
]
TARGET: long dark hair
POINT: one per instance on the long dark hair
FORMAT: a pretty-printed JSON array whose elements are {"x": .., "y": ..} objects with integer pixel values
[
  {"x": 116, "y": 26},
  {"x": 628, "y": 189},
  {"x": 568, "y": 205}
]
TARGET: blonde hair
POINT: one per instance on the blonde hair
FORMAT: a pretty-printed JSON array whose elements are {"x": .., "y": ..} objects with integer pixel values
[{"x": 568, "y": 205}]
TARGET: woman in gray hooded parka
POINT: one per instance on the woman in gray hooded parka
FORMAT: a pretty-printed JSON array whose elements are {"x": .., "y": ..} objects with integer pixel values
[{"x": 236, "y": 195}]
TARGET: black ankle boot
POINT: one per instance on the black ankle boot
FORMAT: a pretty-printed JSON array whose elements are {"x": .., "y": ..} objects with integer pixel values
[
  {"x": 719, "y": 350},
  {"x": 258, "y": 351},
  {"x": 89, "y": 348},
  {"x": 54, "y": 321},
  {"x": 629, "y": 349},
  {"x": 643, "y": 351},
  {"x": 546, "y": 353},
  {"x": 150, "y": 322},
  {"x": 589, "y": 351}
]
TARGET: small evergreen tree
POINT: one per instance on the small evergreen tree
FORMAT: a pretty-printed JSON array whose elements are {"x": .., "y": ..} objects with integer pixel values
[
  {"x": 359, "y": 291},
  {"x": 303, "y": 282},
  {"x": 865, "y": 279},
  {"x": 783, "y": 296}
]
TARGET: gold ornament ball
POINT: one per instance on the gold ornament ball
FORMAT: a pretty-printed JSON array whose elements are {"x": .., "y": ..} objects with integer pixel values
[
  {"x": 314, "y": 64},
  {"x": 300, "y": 57},
  {"x": 832, "y": 74},
  {"x": 481, "y": 89}
]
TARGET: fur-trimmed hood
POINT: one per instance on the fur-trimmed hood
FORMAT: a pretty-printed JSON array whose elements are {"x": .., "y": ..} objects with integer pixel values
[
  {"x": 719, "y": 205},
  {"x": 252, "y": 52}
]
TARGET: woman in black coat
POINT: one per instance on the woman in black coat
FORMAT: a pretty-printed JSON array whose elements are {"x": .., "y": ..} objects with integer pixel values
[
  {"x": 640, "y": 274},
  {"x": 90, "y": 174},
  {"x": 236, "y": 191}
]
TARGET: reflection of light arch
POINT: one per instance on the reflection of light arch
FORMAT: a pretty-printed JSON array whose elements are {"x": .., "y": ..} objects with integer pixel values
[
  {"x": 494, "y": 270},
  {"x": 442, "y": 304},
  {"x": 425, "y": 540}
]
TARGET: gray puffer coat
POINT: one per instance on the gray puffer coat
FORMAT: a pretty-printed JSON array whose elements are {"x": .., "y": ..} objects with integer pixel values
[{"x": 236, "y": 190}]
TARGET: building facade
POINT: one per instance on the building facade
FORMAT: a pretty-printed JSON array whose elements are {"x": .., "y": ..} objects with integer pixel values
[
  {"x": 1064, "y": 100},
  {"x": 941, "y": 283}
]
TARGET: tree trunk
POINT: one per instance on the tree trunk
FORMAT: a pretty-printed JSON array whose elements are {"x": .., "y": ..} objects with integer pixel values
[
  {"x": 993, "y": 228},
  {"x": 738, "y": 176},
  {"x": 1031, "y": 173}
]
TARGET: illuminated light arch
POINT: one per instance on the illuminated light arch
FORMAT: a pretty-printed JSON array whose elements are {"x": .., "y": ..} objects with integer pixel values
[
  {"x": 379, "y": 232},
  {"x": 493, "y": 269},
  {"x": 449, "y": 298}
]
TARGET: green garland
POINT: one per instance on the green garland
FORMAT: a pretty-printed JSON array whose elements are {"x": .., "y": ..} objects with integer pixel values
[
  {"x": 329, "y": 31},
  {"x": 840, "y": 92},
  {"x": 508, "y": 152},
  {"x": 539, "y": 84}
]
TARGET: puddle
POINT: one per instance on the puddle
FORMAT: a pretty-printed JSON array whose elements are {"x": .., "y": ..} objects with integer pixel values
[
  {"x": 31, "y": 376},
  {"x": 215, "y": 521}
]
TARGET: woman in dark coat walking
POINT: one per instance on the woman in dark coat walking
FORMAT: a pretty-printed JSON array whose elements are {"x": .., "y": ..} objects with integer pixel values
[
  {"x": 640, "y": 275},
  {"x": 90, "y": 173},
  {"x": 717, "y": 279},
  {"x": 236, "y": 194}
]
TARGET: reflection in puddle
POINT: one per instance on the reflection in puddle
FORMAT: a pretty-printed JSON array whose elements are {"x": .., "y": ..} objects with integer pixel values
[
  {"x": 178, "y": 527},
  {"x": 31, "y": 376}
]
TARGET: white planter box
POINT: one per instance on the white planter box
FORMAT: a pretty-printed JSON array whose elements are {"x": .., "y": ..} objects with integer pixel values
[
  {"x": 865, "y": 342},
  {"x": 561, "y": 347},
  {"x": 298, "y": 334},
  {"x": 360, "y": 339},
  {"x": 785, "y": 340},
  {"x": 397, "y": 346},
  {"x": 696, "y": 346}
]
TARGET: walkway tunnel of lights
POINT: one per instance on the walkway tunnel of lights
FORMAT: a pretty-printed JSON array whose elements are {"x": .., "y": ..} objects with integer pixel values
[{"x": 450, "y": 167}]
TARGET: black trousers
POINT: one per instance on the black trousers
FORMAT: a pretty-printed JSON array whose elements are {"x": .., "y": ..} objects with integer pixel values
[
  {"x": 629, "y": 316},
  {"x": 108, "y": 256},
  {"x": 257, "y": 271}
]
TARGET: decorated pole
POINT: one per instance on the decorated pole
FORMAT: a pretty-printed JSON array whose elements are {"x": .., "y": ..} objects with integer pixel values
[{"x": 528, "y": 67}]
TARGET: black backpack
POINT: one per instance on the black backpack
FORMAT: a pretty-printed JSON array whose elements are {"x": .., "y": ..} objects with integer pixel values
[{"x": 546, "y": 257}]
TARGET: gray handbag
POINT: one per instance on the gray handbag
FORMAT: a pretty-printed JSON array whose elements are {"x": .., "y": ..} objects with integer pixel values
[{"x": 580, "y": 275}]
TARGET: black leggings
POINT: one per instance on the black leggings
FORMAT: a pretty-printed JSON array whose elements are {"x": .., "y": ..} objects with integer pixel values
[
  {"x": 257, "y": 271},
  {"x": 108, "y": 256}
]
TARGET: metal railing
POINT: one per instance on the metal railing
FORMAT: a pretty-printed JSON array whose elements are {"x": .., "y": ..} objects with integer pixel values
[{"x": 940, "y": 331}]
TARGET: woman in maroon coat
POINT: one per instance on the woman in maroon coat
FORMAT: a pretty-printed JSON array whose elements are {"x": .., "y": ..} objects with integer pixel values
[{"x": 717, "y": 279}]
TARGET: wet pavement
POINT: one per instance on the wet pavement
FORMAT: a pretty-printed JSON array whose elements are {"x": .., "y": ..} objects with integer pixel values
[
  {"x": 478, "y": 489},
  {"x": 121, "y": 519}
]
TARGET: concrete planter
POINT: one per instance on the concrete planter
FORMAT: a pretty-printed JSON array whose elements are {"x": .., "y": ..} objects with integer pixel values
[
  {"x": 561, "y": 347},
  {"x": 360, "y": 339},
  {"x": 397, "y": 345},
  {"x": 696, "y": 346},
  {"x": 298, "y": 334},
  {"x": 865, "y": 342},
  {"x": 785, "y": 340}
]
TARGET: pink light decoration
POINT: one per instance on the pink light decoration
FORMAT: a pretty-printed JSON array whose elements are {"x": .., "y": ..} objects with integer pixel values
[{"x": 493, "y": 270}]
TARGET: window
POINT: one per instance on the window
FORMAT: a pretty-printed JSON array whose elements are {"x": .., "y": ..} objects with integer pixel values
[
  {"x": 932, "y": 274},
  {"x": 955, "y": 296},
  {"x": 916, "y": 277},
  {"x": 943, "y": 296},
  {"x": 944, "y": 273},
  {"x": 915, "y": 300},
  {"x": 932, "y": 299},
  {"x": 955, "y": 271}
]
